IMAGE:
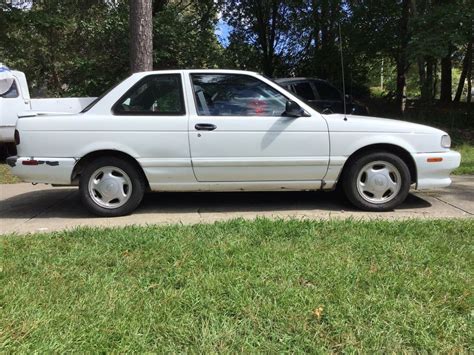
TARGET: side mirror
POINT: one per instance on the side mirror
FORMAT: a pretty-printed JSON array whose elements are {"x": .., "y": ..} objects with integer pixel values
[{"x": 292, "y": 109}]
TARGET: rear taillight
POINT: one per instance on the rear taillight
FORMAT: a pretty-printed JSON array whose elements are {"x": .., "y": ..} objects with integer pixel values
[{"x": 17, "y": 137}]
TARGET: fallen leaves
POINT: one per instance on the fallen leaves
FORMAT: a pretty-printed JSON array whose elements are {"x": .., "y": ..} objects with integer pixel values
[{"x": 318, "y": 313}]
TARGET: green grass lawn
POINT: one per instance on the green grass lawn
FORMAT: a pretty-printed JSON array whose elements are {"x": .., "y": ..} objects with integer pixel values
[
  {"x": 467, "y": 159},
  {"x": 463, "y": 142},
  {"x": 267, "y": 286},
  {"x": 5, "y": 176}
]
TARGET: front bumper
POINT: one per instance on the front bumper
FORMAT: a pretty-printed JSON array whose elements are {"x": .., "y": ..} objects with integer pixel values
[
  {"x": 435, "y": 174},
  {"x": 56, "y": 171}
]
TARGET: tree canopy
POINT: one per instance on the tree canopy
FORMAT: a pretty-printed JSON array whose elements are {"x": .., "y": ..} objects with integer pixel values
[{"x": 73, "y": 47}]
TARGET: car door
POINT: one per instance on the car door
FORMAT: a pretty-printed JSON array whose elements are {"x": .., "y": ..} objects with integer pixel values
[
  {"x": 151, "y": 119},
  {"x": 239, "y": 132}
]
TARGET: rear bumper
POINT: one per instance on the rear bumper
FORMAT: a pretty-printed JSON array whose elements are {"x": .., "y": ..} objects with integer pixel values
[
  {"x": 435, "y": 174},
  {"x": 47, "y": 170}
]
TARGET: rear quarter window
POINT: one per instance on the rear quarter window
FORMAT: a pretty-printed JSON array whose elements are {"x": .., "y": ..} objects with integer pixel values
[{"x": 158, "y": 95}]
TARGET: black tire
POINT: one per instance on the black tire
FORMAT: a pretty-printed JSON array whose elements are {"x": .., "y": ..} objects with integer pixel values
[
  {"x": 3, "y": 152},
  {"x": 7, "y": 150},
  {"x": 135, "y": 186},
  {"x": 353, "y": 175}
]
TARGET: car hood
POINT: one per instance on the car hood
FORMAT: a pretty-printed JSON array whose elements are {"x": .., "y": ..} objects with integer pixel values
[{"x": 356, "y": 123}]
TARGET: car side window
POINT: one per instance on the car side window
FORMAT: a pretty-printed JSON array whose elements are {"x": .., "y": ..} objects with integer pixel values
[
  {"x": 12, "y": 92},
  {"x": 157, "y": 95},
  {"x": 326, "y": 91},
  {"x": 235, "y": 95},
  {"x": 304, "y": 90}
]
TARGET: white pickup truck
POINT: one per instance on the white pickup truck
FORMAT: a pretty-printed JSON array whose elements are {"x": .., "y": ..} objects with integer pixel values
[
  {"x": 224, "y": 130},
  {"x": 15, "y": 99}
]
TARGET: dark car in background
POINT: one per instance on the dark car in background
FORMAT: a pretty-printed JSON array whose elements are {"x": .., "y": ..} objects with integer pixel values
[{"x": 322, "y": 96}]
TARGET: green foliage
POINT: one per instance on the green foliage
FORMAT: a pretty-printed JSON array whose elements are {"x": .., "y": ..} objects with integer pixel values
[
  {"x": 467, "y": 159},
  {"x": 67, "y": 48},
  {"x": 262, "y": 24},
  {"x": 436, "y": 27},
  {"x": 240, "y": 54},
  {"x": 82, "y": 48},
  {"x": 100, "y": 57},
  {"x": 184, "y": 36}
]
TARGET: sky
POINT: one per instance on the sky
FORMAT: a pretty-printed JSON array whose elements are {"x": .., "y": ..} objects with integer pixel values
[
  {"x": 222, "y": 32},
  {"x": 25, "y": 4}
]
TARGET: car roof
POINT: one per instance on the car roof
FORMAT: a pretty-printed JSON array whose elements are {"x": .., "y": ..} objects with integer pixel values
[
  {"x": 211, "y": 71},
  {"x": 293, "y": 80}
]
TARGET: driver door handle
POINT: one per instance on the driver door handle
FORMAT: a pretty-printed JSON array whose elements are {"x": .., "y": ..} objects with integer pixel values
[{"x": 205, "y": 127}]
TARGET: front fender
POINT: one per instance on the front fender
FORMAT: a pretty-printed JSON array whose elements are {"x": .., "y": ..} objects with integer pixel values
[{"x": 345, "y": 144}]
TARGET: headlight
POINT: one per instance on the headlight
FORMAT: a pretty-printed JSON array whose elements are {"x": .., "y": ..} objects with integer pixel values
[{"x": 446, "y": 141}]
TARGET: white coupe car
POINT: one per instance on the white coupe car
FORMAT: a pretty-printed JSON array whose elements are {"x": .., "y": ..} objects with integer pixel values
[{"x": 224, "y": 130}]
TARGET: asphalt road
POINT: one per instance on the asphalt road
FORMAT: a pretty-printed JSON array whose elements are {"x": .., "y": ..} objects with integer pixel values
[{"x": 25, "y": 208}]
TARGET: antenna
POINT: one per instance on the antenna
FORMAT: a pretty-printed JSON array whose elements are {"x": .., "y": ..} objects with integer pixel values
[{"x": 342, "y": 69}]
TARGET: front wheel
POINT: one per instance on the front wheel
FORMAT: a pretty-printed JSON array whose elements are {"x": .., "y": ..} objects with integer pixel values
[
  {"x": 111, "y": 187},
  {"x": 377, "y": 181}
]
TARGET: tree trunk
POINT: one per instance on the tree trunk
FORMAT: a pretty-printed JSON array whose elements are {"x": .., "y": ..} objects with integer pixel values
[
  {"x": 141, "y": 35},
  {"x": 423, "y": 66},
  {"x": 381, "y": 76},
  {"x": 423, "y": 84},
  {"x": 469, "y": 86},
  {"x": 425, "y": 72},
  {"x": 430, "y": 74},
  {"x": 402, "y": 60},
  {"x": 465, "y": 66},
  {"x": 316, "y": 23},
  {"x": 435, "y": 78},
  {"x": 261, "y": 16},
  {"x": 446, "y": 78},
  {"x": 401, "y": 86}
]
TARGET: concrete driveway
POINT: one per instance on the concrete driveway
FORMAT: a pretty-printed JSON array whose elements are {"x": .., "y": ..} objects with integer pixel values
[{"x": 26, "y": 208}]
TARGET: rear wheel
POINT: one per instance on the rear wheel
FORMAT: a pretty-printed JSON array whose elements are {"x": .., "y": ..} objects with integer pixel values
[
  {"x": 111, "y": 187},
  {"x": 378, "y": 181}
]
